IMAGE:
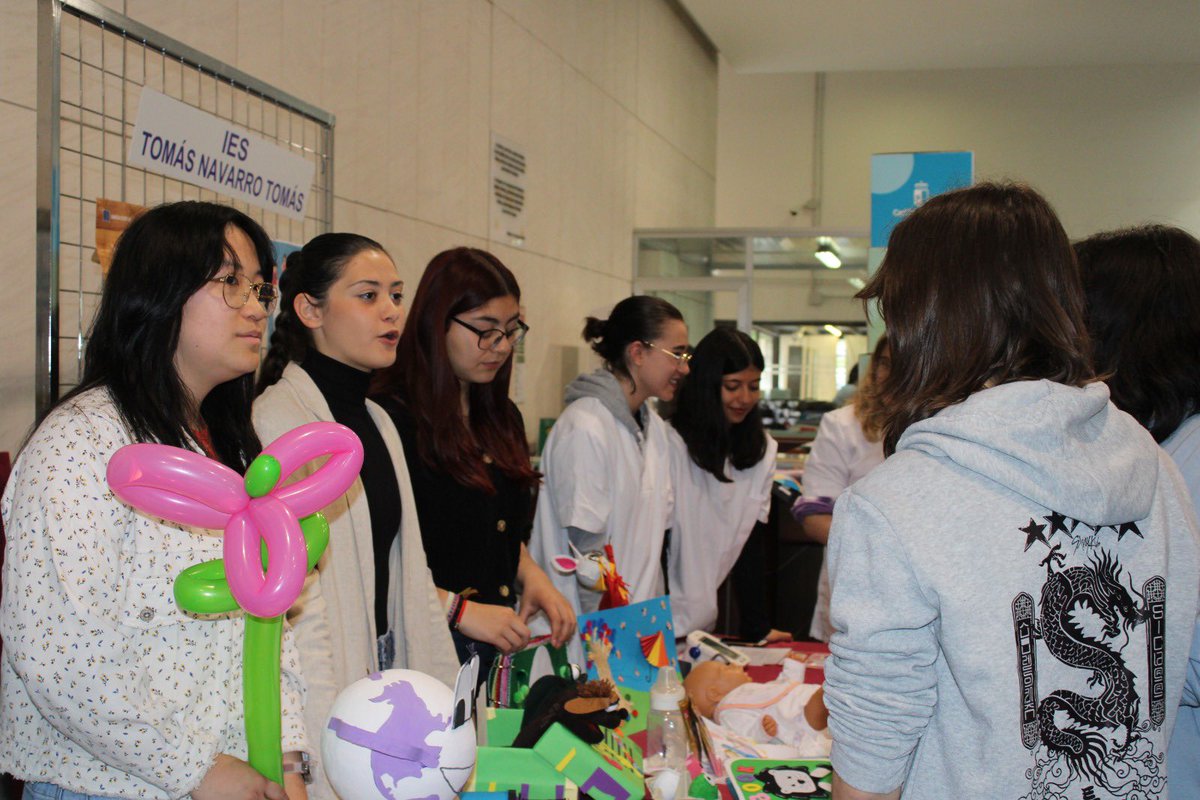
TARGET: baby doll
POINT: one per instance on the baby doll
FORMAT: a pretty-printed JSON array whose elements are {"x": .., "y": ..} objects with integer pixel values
[{"x": 785, "y": 710}]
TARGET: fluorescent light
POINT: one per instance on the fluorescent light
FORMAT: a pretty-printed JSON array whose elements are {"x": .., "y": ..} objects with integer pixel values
[
  {"x": 833, "y": 330},
  {"x": 828, "y": 256},
  {"x": 857, "y": 283}
]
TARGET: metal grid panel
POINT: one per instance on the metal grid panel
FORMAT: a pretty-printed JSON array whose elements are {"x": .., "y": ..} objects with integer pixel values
[{"x": 103, "y": 61}]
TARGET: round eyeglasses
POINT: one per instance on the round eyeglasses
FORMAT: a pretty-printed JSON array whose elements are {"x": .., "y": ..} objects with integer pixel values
[
  {"x": 680, "y": 358},
  {"x": 236, "y": 289},
  {"x": 490, "y": 339}
]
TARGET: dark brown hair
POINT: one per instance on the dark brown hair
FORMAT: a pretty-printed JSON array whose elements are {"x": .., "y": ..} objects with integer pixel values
[
  {"x": 868, "y": 408},
  {"x": 639, "y": 318},
  {"x": 422, "y": 378},
  {"x": 1143, "y": 314},
  {"x": 979, "y": 287}
]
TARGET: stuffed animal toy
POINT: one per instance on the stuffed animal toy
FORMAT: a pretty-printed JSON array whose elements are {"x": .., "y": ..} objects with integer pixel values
[{"x": 583, "y": 708}]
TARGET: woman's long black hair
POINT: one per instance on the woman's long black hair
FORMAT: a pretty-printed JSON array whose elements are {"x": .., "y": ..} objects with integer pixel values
[
  {"x": 1143, "y": 312},
  {"x": 165, "y": 256},
  {"x": 700, "y": 416}
]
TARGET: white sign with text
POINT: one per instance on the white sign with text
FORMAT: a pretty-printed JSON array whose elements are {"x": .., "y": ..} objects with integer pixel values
[{"x": 181, "y": 141}]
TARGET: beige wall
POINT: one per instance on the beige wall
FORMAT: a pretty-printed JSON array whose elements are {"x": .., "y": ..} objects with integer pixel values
[
  {"x": 614, "y": 101},
  {"x": 1109, "y": 146}
]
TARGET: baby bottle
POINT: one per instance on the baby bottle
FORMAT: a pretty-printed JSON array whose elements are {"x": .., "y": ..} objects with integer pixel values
[{"x": 665, "y": 763}]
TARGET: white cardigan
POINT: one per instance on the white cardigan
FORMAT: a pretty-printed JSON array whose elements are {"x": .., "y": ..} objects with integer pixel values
[{"x": 334, "y": 619}]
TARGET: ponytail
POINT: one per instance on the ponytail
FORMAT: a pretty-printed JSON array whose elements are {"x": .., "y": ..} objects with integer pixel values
[{"x": 635, "y": 319}]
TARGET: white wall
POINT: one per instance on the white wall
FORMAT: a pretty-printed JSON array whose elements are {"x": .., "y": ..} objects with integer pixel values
[
  {"x": 1108, "y": 146},
  {"x": 615, "y": 102}
]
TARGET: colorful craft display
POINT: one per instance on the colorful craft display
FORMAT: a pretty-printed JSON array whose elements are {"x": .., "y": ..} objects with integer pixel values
[
  {"x": 401, "y": 733},
  {"x": 616, "y": 592},
  {"x": 273, "y": 536},
  {"x": 623, "y": 646},
  {"x": 597, "y": 573}
]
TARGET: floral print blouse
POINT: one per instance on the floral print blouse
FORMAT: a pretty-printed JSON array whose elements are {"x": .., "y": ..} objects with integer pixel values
[{"x": 106, "y": 686}]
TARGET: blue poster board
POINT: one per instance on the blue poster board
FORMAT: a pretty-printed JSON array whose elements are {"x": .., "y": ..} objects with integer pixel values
[{"x": 901, "y": 182}]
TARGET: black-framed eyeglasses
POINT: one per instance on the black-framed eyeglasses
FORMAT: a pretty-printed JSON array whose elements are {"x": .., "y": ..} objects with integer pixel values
[
  {"x": 680, "y": 358},
  {"x": 490, "y": 339},
  {"x": 236, "y": 289}
]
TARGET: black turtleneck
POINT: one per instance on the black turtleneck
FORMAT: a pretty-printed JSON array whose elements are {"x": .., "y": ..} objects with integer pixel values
[{"x": 345, "y": 390}]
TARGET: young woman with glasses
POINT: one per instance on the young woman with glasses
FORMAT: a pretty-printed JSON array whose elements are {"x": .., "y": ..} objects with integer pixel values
[
  {"x": 467, "y": 453},
  {"x": 608, "y": 480},
  {"x": 107, "y": 688},
  {"x": 371, "y": 604}
]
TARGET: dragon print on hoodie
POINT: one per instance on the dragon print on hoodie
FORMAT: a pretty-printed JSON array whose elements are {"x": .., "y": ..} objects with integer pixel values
[{"x": 1014, "y": 594}]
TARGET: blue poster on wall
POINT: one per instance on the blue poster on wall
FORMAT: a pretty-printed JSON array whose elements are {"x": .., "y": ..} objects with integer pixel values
[{"x": 901, "y": 182}]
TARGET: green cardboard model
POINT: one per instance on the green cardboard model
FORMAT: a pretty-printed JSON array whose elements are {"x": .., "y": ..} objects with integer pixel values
[
  {"x": 503, "y": 769},
  {"x": 609, "y": 770},
  {"x": 503, "y": 725}
]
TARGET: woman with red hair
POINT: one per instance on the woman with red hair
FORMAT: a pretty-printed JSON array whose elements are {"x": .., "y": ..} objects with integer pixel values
[{"x": 467, "y": 453}]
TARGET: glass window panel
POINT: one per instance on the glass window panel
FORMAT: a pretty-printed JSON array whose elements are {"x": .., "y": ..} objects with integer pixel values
[{"x": 690, "y": 257}]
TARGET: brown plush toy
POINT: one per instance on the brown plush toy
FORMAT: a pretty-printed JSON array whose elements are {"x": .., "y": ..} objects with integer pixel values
[{"x": 582, "y": 708}]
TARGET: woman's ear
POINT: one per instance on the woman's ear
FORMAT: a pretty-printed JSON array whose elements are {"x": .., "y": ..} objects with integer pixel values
[
  {"x": 635, "y": 354},
  {"x": 307, "y": 311}
]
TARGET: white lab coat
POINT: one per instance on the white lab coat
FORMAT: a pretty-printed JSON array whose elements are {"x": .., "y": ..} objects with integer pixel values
[
  {"x": 711, "y": 523},
  {"x": 840, "y": 455},
  {"x": 602, "y": 478}
]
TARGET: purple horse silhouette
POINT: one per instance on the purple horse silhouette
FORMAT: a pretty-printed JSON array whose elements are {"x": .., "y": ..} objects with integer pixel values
[{"x": 398, "y": 748}]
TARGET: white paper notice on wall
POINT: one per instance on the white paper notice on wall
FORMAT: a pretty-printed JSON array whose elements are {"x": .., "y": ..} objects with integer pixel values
[
  {"x": 508, "y": 190},
  {"x": 181, "y": 141}
]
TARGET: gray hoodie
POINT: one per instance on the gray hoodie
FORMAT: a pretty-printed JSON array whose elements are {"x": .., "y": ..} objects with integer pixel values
[
  {"x": 602, "y": 385},
  {"x": 1014, "y": 596}
]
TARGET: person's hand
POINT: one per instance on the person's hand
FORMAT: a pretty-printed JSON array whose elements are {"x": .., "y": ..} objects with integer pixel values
[
  {"x": 231, "y": 778},
  {"x": 497, "y": 625},
  {"x": 770, "y": 727},
  {"x": 539, "y": 594},
  {"x": 777, "y": 636},
  {"x": 294, "y": 784}
]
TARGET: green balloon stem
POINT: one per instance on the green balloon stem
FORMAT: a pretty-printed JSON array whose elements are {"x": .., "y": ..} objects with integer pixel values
[
  {"x": 203, "y": 589},
  {"x": 261, "y": 695}
]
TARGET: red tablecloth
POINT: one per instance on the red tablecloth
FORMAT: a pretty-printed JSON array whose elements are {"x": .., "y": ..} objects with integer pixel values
[{"x": 813, "y": 652}]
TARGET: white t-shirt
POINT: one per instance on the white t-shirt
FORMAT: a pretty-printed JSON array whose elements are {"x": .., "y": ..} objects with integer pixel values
[
  {"x": 711, "y": 523},
  {"x": 840, "y": 455}
]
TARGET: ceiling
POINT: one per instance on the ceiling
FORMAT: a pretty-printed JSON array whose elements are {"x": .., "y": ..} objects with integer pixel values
[{"x": 849, "y": 35}]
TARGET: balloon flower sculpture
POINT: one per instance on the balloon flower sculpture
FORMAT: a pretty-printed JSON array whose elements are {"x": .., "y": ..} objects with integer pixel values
[{"x": 274, "y": 535}]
